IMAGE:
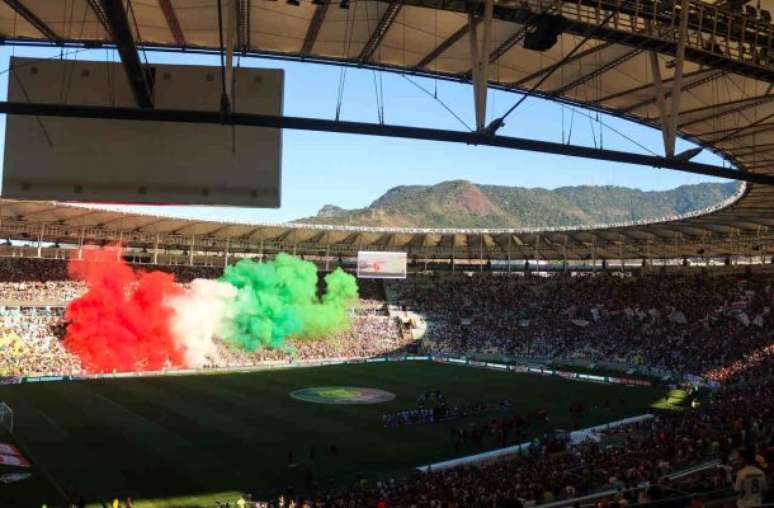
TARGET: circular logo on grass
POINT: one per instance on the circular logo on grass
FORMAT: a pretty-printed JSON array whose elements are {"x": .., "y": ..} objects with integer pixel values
[{"x": 342, "y": 395}]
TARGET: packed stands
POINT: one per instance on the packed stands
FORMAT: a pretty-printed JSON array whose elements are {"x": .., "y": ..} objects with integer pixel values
[
  {"x": 371, "y": 335},
  {"x": 717, "y": 327},
  {"x": 29, "y": 344},
  {"x": 21, "y": 269},
  {"x": 714, "y": 326}
]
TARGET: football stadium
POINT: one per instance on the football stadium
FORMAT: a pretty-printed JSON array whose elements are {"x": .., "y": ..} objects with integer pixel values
[{"x": 173, "y": 335}]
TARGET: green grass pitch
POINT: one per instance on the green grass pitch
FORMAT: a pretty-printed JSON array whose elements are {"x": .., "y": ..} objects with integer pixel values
[{"x": 192, "y": 440}]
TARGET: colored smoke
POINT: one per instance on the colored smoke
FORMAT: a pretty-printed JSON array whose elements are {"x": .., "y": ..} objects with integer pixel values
[
  {"x": 122, "y": 322},
  {"x": 278, "y": 299},
  {"x": 134, "y": 320},
  {"x": 201, "y": 315},
  {"x": 332, "y": 314}
]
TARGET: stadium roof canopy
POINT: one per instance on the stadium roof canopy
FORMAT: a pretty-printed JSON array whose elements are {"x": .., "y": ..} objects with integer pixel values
[{"x": 630, "y": 58}]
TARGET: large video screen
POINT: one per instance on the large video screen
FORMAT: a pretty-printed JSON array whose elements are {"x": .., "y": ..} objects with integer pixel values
[
  {"x": 124, "y": 161},
  {"x": 381, "y": 265}
]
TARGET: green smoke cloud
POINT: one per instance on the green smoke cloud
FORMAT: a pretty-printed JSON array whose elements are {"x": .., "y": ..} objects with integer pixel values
[{"x": 278, "y": 299}]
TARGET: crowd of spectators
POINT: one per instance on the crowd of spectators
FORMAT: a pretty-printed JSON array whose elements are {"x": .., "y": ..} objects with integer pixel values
[
  {"x": 57, "y": 292},
  {"x": 29, "y": 344},
  {"x": 45, "y": 281},
  {"x": 370, "y": 335},
  {"x": 718, "y": 327},
  {"x": 20, "y": 269},
  {"x": 17, "y": 269}
]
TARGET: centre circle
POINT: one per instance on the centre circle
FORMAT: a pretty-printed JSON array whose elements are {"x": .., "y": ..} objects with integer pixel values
[{"x": 342, "y": 395}]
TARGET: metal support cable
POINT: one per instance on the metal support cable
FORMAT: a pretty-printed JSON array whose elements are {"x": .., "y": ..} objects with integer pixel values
[
  {"x": 379, "y": 94},
  {"x": 348, "y": 29},
  {"x": 224, "y": 104},
  {"x": 434, "y": 95},
  {"x": 499, "y": 122}
]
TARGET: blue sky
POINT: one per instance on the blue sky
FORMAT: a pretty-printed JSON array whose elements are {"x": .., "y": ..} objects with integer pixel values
[{"x": 351, "y": 171}]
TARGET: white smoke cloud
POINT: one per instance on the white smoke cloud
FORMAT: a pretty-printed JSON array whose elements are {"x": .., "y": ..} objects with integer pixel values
[{"x": 201, "y": 314}]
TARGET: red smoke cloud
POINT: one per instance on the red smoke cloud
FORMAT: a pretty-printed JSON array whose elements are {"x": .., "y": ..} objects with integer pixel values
[{"x": 122, "y": 323}]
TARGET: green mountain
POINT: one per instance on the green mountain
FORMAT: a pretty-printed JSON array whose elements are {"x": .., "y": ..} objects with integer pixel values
[{"x": 462, "y": 204}]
